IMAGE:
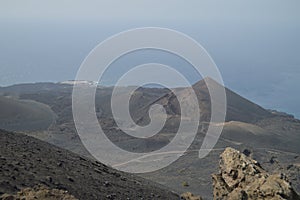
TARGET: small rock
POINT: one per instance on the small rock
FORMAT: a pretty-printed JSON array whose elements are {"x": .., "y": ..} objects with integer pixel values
[
  {"x": 247, "y": 152},
  {"x": 111, "y": 196},
  {"x": 49, "y": 179},
  {"x": 97, "y": 171},
  {"x": 106, "y": 184},
  {"x": 70, "y": 179}
]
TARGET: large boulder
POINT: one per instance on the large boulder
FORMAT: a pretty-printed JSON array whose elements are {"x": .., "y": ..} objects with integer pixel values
[{"x": 242, "y": 178}]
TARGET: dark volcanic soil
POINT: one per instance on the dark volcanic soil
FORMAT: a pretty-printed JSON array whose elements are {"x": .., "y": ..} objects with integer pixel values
[{"x": 27, "y": 162}]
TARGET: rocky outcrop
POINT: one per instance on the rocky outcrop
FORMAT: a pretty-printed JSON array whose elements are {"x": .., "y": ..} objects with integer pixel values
[
  {"x": 189, "y": 196},
  {"x": 39, "y": 192},
  {"x": 242, "y": 178}
]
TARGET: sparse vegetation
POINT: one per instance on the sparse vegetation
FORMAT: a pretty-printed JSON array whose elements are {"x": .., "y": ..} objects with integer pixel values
[{"x": 185, "y": 184}]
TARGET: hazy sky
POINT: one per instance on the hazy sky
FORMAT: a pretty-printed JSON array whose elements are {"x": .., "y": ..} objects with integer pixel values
[
  {"x": 152, "y": 10},
  {"x": 255, "y": 44}
]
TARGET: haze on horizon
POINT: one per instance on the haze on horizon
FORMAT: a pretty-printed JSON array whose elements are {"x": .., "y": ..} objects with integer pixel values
[{"x": 255, "y": 44}]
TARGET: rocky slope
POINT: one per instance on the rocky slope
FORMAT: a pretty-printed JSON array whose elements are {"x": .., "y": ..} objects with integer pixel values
[
  {"x": 27, "y": 162},
  {"x": 272, "y": 138},
  {"x": 242, "y": 178}
]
